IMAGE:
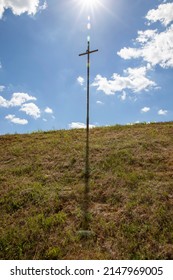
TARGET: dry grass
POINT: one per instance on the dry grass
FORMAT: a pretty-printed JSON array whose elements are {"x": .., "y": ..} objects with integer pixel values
[{"x": 131, "y": 194}]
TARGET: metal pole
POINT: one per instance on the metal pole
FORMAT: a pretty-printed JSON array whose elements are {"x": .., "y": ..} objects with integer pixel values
[
  {"x": 87, "y": 167},
  {"x": 88, "y": 111},
  {"x": 85, "y": 222}
]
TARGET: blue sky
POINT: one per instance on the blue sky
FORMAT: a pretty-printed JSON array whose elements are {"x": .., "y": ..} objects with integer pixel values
[{"x": 43, "y": 80}]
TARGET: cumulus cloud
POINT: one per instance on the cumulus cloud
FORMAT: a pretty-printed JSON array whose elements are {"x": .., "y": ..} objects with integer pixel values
[
  {"x": 123, "y": 96},
  {"x": 31, "y": 109},
  {"x": 145, "y": 110},
  {"x": 2, "y": 88},
  {"x": 74, "y": 125},
  {"x": 162, "y": 112},
  {"x": 144, "y": 36},
  {"x": 164, "y": 14},
  {"x": 44, "y": 6},
  {"x": 31, "y": 7},
  {"x": 155, "y": 48},
  {"x": 80, "y": 80},
  {"x": 3, "y": 102},
  {"x": 48, "y": 110},
  {"x": 13, "y": 119},
  {"x": 135, "y": 79},
  {"x": 99, "y": 102},
  {"x": 128, "y": 53},
  {"x": 18, "y": 98}
]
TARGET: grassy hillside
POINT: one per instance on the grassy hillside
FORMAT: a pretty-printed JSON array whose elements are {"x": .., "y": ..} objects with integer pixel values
[{"x": 131, "y": 194}]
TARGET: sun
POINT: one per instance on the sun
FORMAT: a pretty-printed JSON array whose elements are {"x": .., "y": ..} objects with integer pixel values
[
  {"x": 88, "y": 8},
  {"x": 89, "y": 4}
]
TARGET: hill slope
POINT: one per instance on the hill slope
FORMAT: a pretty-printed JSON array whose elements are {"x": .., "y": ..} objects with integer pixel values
[{"x": 131, "y": 194}]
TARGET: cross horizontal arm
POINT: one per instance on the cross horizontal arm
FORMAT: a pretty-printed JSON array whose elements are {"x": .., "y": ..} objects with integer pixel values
[
  {"x": 88, "y": 52},
  {"x": 93, "y": 51}
]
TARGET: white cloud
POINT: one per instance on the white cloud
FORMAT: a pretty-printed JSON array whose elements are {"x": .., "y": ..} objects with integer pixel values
[
  {"x": 164, "y": 14},
  {"x": 128, "y": 53},
  {"x": 162, "y": 112},
  {"x": 31, "y": 109},
  {"x": 80, "y": 80},
  {"x": 15, "y": 120},
  {"x": 135, "y": 80},
  {"x": 48, "y": 110},
  {"x": 3, "y": 102},
  {"x": 123, "y": 96},
  {"x": 103, "y": 84},
  {"x": 155, "y": 48},
  {"x": 145, "y": 110},
  {"x": 2, "y": 88},
  {"x": 44, "y": 6},
  {"x": 144, "y": 36},
  {"x": 79, "y": 125},
  {"x": 18, "y": 7},
  {"x": 100, "y": 102},
  {"x": 17, "y": 99}
]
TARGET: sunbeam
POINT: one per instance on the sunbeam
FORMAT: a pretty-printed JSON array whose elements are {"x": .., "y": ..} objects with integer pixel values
[
  {"x": 89, "y": 3},
  {"x": 89, "y": 6}
]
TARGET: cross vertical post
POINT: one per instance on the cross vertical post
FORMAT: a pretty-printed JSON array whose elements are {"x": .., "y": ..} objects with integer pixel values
[{"x": 85, "y": 222}]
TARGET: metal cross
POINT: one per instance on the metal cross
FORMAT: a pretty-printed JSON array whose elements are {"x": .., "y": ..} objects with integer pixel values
[{"x": 87, "y": 168}]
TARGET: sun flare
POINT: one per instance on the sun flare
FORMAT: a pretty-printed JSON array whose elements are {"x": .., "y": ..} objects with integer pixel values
[
  {"x": 89, "y": 4},
  {"x": 88, "y": 9}
]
